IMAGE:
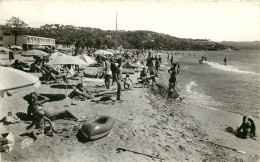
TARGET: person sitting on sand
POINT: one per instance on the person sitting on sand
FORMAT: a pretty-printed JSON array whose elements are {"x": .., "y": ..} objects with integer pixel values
[
  {"x": 127, "y": 82},
  {"x": 51, "y": 72},
  {"x": 35, "y": 105},
  {"x": 80, "y": 92},
  {"x": 39, "y": 123},
  {"x": 10, "y": 118},
  {"x": 36, "y": 66},
  {"x": 20, "y": 65},
  {"x": 247, "y": 127}
]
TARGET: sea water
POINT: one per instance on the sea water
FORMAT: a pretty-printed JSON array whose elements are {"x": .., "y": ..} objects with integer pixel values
[{"x": 233, "y": 87}]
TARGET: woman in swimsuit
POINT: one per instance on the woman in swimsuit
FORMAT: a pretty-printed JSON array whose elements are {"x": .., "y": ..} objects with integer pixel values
[{"x": 35, "y": 105}]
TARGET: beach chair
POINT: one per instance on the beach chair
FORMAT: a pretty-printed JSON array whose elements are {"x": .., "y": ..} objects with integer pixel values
[{"x": 48, "y": 75}]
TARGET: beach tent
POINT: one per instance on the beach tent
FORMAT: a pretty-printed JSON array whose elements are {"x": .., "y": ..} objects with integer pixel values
[
  {"x": 103, "y": 52},
  {"x": 34, "y": 52},
  {"x": 16, "y": 81},
  {"x": 87, "y": 59}
]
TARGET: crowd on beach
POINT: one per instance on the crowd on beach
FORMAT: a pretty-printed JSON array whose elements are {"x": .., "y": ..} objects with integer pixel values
[{"x": 111, "y": 69}]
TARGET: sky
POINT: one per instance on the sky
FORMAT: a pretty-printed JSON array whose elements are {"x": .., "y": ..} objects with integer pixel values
[{"x": 215, "y": 20}]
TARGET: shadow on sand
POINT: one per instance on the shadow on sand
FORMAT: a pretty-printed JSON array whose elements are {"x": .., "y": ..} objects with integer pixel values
[
  {"x": 61, "y": 86},
  {"x": 52, "y": 97}
]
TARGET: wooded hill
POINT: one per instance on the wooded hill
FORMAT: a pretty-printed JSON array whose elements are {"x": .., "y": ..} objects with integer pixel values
[{"x": 97, "y": 38}]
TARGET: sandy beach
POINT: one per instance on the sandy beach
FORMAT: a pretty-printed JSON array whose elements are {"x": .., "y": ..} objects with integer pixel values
[{"x": 145, "y": 122}]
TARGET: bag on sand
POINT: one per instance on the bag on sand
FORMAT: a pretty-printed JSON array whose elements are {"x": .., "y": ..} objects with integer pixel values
[{"x": 6, "y": 142}]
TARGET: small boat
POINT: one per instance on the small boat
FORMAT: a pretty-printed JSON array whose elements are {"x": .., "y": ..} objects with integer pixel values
[
  {"x": 99, "y": 128},
  {"x": 89, "y": 75}
]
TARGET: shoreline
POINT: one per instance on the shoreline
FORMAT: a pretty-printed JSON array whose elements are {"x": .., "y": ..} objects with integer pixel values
[{"x": 145, "y": 122}]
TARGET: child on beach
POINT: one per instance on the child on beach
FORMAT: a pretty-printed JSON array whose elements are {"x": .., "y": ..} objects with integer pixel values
[
  {"x": 39, "y": 123},
  {"x": 247, "y": 127},
  {"x": 127, "y": 82}
]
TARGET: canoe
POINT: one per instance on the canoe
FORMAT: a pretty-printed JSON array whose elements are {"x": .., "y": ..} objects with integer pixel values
[
  {"x": 89, "y": 75},
  {"x": 99, "y": 128}
]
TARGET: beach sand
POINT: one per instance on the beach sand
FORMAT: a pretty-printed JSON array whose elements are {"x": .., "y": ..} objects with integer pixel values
[{"x": 145, "y": 122}]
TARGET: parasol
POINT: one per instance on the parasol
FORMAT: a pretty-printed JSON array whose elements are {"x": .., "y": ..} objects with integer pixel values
[
  {"x": 16, "y": 81},
  {"x": 87, "y": 59},
  {"x": 34, "y": 52}
]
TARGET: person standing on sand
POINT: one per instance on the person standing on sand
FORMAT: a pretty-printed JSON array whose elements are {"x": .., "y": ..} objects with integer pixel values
[
  {"x": 113, "y": 70},
  {"x": 172, "y": 60},
  {"x": 225, "y": 61},
  {"x": 118, "y": 80},
  {"x": 11, "y": 56},
  {"x": 108, "y": 73},
  {"x": 173, "y": 71}
]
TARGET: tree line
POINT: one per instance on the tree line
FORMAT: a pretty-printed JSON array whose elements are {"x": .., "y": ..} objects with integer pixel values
[{"x": 96, "y": 38}]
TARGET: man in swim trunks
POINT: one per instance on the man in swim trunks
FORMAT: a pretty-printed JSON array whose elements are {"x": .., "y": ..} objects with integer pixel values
[{"x": 173, "y": 71}]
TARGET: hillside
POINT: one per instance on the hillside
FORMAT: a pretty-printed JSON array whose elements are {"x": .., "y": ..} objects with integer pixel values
[
  {"x": 97, "y": 38},
  {"x": 255, "y": 45}
]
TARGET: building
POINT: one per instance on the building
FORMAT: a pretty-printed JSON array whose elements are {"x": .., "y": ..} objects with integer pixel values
[{"x": 27, "y": 41}]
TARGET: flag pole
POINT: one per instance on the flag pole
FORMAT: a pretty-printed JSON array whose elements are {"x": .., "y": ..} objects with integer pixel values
[{"x": 116, "y": 34}]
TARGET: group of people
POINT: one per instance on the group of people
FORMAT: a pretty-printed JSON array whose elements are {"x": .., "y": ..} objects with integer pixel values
[{"x": 152, "y": 71}]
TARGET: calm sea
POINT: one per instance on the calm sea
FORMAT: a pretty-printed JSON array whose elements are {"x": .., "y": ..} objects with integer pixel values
[{"x": 233, "y": 87}]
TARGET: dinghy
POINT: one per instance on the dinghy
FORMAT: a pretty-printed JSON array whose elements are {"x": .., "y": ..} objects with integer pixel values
[{"x": 98, "y": 128}]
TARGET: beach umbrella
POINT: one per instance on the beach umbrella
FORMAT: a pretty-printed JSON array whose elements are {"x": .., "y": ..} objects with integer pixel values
[
  {"x": 16, "y": 81},
  {"x": 3, "y": 49},
  {"x": 67, "y": 60},
  {"x": 54, "y": 55},
  {"x": 16, "y": 47},
  {"x": 34, "y": 52},
  {"x": 87, "y": 59},
  {"x": 103, "y": 52}
]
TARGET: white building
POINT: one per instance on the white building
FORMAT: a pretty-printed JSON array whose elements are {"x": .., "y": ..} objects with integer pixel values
[{"x": 26, "y": 41}]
